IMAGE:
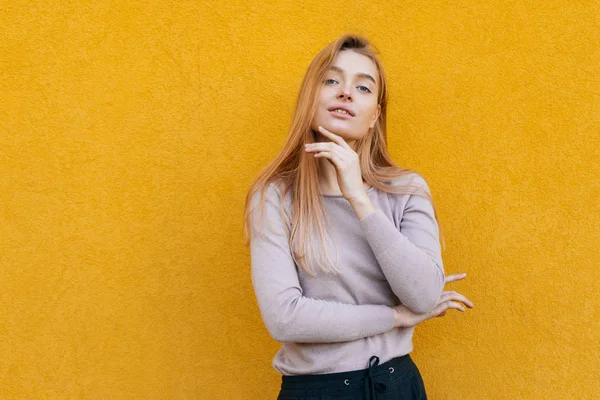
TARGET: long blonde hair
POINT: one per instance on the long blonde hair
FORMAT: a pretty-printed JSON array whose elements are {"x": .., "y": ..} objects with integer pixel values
[{"x": 295, "y": 170}]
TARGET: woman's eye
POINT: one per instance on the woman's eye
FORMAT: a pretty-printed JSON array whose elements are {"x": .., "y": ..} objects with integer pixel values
[
  {"x": 329, "y": 81},
  {"x": 366, "y": 89}
]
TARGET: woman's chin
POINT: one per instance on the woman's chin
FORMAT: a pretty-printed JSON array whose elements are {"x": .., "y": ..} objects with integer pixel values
[
  {"x": 340, "y": 130},
  {"x": 346, "y": 134}
]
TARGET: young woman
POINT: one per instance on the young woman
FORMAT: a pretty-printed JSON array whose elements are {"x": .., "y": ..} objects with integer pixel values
[{"x": 346, "y": 322}]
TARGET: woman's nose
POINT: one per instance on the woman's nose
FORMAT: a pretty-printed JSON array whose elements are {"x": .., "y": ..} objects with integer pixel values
[{"x": 344, "y": 93}]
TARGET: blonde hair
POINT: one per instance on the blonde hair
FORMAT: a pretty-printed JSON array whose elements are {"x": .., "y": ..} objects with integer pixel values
[{"x": 295, "y": 170}]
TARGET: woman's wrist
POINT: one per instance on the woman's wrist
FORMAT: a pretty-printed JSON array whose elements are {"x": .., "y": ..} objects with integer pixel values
[
  {"x": 395, "y": 316},
  {"x": 397, "y": 321}
]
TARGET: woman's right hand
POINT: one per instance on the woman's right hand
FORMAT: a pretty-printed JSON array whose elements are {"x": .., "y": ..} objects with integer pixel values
[{"x": 405, "y": 318}]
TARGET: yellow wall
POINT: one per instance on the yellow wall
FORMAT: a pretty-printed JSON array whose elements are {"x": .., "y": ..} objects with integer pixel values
[{"x": 129, "y": 133}]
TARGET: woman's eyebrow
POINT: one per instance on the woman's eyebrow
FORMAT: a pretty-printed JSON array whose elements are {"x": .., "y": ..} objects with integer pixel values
[{"x": 360, "y": 74}]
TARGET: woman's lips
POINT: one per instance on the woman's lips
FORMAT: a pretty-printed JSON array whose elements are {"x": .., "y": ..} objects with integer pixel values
[{"x": 340, "y": 115}]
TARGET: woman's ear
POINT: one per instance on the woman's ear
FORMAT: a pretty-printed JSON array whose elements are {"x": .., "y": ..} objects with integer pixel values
[{"x": 376, "y": 116}]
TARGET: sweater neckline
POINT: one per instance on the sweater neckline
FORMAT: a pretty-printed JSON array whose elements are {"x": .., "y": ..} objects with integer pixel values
[{"x": 339, "y": 195}]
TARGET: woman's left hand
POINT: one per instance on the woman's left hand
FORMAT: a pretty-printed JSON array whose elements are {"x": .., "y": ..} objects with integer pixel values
[
  {"x": 405, "y": 318},
  {"x": 344, "y": 159}
]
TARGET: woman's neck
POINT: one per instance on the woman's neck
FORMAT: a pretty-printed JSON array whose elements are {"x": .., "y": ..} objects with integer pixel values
[
  {"x": 328, "y": 182},
  {"x": 328, "y": 178}
]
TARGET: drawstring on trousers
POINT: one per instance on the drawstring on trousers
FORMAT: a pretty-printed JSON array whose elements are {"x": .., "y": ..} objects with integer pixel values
[{"x": 371, "y": 385}]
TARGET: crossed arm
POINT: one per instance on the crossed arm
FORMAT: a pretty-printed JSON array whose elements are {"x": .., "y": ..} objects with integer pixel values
[{"x": 415, "y": 274}]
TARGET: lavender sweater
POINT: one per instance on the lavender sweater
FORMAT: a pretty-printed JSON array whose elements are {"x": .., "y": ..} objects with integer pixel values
[{"x": 335, "y": 323}]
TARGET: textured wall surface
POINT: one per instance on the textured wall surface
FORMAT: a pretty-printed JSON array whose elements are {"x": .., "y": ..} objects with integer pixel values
[{"x": 129, "y": 132}]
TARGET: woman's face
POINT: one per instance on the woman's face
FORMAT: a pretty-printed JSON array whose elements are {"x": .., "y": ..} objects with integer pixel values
[{"x": 347, "y": 103}]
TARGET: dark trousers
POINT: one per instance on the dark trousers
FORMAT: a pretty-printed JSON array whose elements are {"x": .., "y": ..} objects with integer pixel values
[{"x": 397, "y": 379}]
